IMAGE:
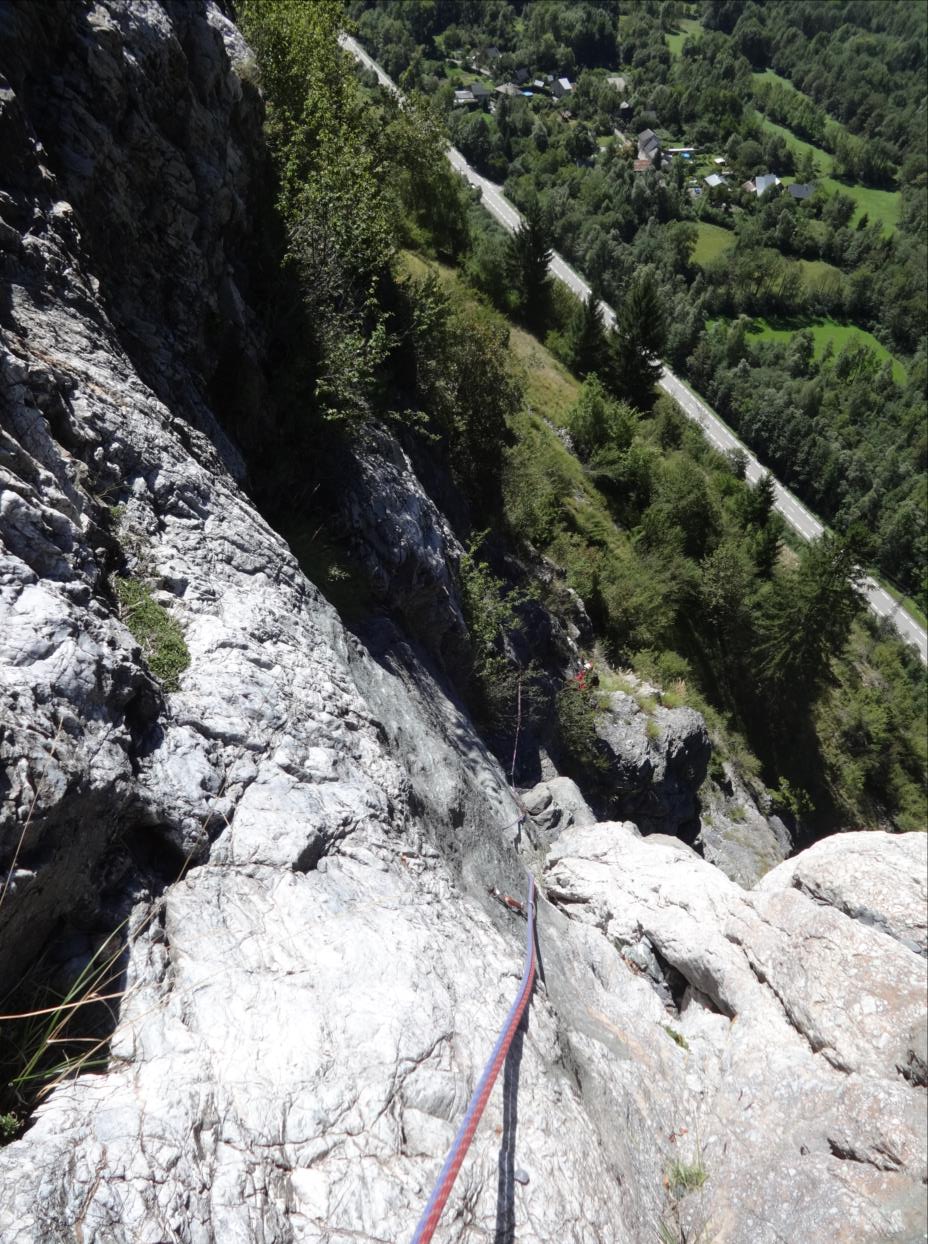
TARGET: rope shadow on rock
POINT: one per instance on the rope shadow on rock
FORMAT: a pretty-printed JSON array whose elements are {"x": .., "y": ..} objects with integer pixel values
[{"x": 505, "y": 1190}]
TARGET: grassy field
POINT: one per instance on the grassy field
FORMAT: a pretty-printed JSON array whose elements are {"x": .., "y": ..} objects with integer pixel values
[
  {"x": 825, "y": 331},
  {"x": 823, "y": 160},
  {"x": 711, "y": 242},
  {"x": 814, "y": 271},
  {"x": 549, "y": 387},
  {"x": 687, "y": 28},
  {"x": 884, "y": 205}
]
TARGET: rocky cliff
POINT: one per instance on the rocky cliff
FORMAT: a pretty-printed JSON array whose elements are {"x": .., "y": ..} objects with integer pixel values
[{"x": 295, "y": 845}]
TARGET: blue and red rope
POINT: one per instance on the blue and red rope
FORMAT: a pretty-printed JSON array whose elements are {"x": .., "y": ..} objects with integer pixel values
[{"x": 436, "y": 1203}]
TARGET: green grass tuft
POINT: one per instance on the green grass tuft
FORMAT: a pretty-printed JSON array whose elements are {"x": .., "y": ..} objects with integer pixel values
[
  {"x": 684, "y": 1177},
  {"x": 158, "y": 634},
  {"x": 678, "y": 1037}
]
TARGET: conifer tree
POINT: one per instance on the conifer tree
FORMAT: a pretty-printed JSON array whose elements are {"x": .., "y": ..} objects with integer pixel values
[
  {"x": 759, "y": 501},
  {"x": 808, "y": 616},
  {"x": 529, "y": 254},
  {"x": 638, "y": 342},
  {"x": 587, "y": 342}
]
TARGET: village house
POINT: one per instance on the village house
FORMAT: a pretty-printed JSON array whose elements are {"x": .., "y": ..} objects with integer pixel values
[
  {"x": 714, "y": 180},
  {"x": 766, "y": 181},
  {"x": 480, "y": 92},
  {"x": 464, "y": 97},
  {"x": 649, "y": 146},
  {"x": 801, "y": 190},
  {"x": 561, "y": 87}
]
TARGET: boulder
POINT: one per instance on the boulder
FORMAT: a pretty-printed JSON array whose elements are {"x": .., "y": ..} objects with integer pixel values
[{"x": 555, "y": 805}]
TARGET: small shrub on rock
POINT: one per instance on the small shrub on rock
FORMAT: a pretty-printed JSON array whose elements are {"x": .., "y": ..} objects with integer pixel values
[{"x": 158, "y": 634}]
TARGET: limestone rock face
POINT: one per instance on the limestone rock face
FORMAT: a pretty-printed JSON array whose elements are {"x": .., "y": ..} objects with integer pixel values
[
  {"x": 405, "y": 543},
  {"x": 152, "y": 142},
  {"x": 803, "y": 1032},
  {"x": 878, "y": 879},
  {"x": 301, "y": 837}
]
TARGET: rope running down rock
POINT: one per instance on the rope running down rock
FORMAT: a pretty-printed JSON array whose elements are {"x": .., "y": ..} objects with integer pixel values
[{"x": 436, "y": 1203}]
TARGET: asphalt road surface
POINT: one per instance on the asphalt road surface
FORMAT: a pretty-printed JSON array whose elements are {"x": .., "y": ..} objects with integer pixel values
[{"x": 718, "y": 433}]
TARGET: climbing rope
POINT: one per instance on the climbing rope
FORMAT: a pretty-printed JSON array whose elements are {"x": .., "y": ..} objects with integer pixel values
[{"x": 436, "y": 1203}]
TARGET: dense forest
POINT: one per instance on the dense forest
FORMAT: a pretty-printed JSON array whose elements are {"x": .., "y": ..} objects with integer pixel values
[
  {"x": 399, "y": 303},
  {"x": 745, "y": 279}
]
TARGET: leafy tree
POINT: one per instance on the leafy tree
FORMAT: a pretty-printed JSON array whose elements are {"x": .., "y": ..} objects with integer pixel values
[
  {"x": 596, "y": 421},
  {"x": 684, "y": 514},
  {"x": 638, "y": 341}
]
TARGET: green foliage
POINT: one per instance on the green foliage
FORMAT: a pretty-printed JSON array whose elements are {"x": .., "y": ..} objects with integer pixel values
[
  {"x": 586, "y": 348},
  {"x": 158, "y": 635},
  {"x": 627, "y": 532},
  {"x": 489, "y": 615},
  {"x": 684, "y": 1177},
  {"x": 313, "y": 103},
  {"x": 639, "y": 340},
  {"x": 598, "y": 423},
  {"x": 678, "y": 1037},
  {"x": 355, "y": 179},
  {"x": 577, "y": 708},
  {"x": 807, "y": 617},
  {"x": 528, "y": 258},
  {"x": 464, "y": 382},
  {"x": 61, "y": 1033}
]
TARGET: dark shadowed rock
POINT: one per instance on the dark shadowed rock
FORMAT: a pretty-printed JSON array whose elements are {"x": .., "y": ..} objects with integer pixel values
[{"x": 659, "y": 758}]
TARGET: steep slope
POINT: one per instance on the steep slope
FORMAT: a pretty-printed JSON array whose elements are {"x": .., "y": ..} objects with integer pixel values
[{"x": 299, "y": 839}]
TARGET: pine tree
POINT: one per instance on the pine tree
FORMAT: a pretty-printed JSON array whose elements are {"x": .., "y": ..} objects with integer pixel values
[
  {"x": 765, "y": 548},
  {"x": 808, "y": 617},
  {"x": 529, "y": 254},
  {"x": 587, "y": 343},
  {"x": 758, "y": 504},
  {"x": 638, "y": 342}
]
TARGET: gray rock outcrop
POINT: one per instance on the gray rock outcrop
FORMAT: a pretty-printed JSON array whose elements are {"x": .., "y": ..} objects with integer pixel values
[
  {"x": 877, "y": 878},
  {"x": 299, "y": 839},
  {"x": 658, "y": 760},
  {"x": 801, "y": 1031},
  {"x": 554, "y": 806},
  {"x": 736, "y": 833}
]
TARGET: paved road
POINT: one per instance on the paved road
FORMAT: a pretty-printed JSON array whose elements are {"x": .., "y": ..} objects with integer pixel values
[{"x": 717, "y": 432}]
